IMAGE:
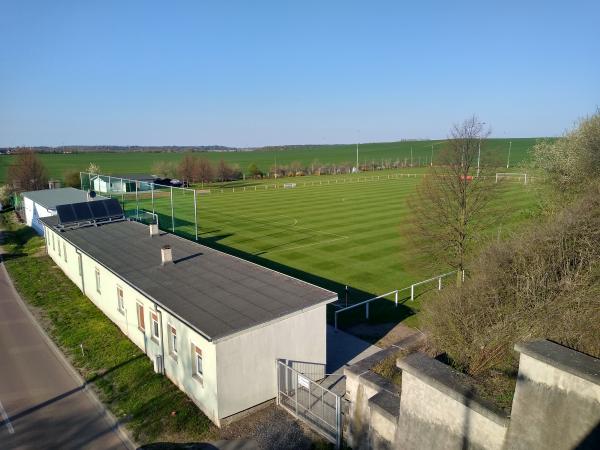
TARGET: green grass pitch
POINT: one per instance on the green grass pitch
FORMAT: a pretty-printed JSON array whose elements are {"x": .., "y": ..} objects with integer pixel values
[{"x": 337, "y": 234}]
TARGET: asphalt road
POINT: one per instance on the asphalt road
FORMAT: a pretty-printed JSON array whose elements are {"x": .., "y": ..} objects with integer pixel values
[{"x": 43, "y": 404}]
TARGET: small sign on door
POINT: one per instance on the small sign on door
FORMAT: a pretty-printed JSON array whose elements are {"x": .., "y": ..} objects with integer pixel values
[{"x": 303, "y": 381}]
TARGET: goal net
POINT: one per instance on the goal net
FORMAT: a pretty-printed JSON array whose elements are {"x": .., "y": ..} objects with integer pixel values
[{"x": 519, "y": 177}]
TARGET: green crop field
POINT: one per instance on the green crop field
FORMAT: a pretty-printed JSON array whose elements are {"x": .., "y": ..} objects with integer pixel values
[
  {"x": 494, "y": 151},
  {"x": 333, "y": 232}
]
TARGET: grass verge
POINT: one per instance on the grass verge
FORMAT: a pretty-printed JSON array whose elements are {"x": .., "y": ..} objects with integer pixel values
[{"x": 152, "y": 407}]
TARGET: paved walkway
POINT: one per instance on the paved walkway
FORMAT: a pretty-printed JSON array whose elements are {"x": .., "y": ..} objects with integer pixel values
[
  {"x": 345, "y": 349},
  {"x": 43, "y": 404}
]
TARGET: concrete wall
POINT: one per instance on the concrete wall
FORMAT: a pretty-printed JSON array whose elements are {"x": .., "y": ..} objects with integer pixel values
[
  {"x": 556, "y": 405},
  {"x": 557, "y": 400},
  {"x": 246, "y": 362}
]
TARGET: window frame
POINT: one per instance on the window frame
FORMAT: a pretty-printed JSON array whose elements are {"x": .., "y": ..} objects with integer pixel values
[
  {"x": 197, "y": 357},
  {"x": 65, "y": 251},
  {"x": 120, "y": 300},
  {"x": 154, "y": 326},
  {"x": 59, "y": 250},
  {"x": 53, "y": 244},
  {"x": 173, "y": 341},
  {"x": 140, "y": 317},
  {"x": 97, "y": 276}
]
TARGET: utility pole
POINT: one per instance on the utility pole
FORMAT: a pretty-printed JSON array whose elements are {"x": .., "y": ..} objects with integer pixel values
[
  {"x": 479, "y": 152},
  {"x": 431, "y": 162},
  {"x": 509, "y": 146}
]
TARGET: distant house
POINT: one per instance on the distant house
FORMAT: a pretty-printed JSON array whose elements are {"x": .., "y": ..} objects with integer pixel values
[
  {"x": 38, "y": 204},
  {"x": 212, "y": 323},
  {"x": 121, "y": 183}
]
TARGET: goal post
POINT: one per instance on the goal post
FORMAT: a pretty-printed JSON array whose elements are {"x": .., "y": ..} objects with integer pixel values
[{"x": 512, "y": 176}]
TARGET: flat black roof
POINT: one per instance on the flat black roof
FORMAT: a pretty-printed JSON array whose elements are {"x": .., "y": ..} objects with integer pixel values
[{"x": 216, "y": 293}]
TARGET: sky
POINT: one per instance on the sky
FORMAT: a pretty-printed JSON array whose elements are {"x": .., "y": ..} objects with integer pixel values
[{"x": 254, "y": 73}]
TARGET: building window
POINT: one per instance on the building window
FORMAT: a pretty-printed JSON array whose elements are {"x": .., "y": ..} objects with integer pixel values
[
  {"x": 140, "y": 318},
  {"x": 65, "y": 250},
  {"x": 98, "y": 281},
  {"x": 53, "y": 246},
  {"x": 120, "y": 301},
  {"x": 173, "y": 341},
  {"x": 198, "y": 370},
  {"x": 59, "y": 252},
  {"x": 155, "y": 326}
]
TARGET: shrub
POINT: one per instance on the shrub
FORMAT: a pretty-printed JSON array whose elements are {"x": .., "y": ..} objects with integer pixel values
[{"x": 544, "y": 283}]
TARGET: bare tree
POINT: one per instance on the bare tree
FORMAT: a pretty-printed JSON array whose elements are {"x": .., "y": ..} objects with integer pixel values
[
  {"x": 224, "y": 171},
  {"x": 27, "y": 173},
  {"x": 188, "y": 169},
  {"x": 449, "y": 208},
  {"x": 204, "y": 170}
]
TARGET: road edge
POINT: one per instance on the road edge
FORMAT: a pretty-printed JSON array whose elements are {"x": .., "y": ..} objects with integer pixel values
[{"x": 107, "y": 415}]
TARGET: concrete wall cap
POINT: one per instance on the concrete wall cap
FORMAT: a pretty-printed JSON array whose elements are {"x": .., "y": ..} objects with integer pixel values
[
  {"x": 387, "y": 404},
  {"x": 452, "y": 383},
  {"x": 564, "y": 358}
]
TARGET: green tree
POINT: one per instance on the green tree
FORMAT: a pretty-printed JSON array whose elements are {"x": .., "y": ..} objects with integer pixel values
[{"x": 254, "y": 171}]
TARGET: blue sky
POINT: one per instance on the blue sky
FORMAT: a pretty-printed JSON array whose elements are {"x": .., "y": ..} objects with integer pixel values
[{"x": 250, "y": 73}]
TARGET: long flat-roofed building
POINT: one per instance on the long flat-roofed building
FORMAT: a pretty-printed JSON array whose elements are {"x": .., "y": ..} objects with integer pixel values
[{"x": 213, "y": 323}]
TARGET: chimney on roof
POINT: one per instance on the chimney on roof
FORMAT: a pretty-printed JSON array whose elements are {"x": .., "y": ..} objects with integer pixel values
[
  {"x": 166, "y": 255},
  {"x": 153, "y": 229}
]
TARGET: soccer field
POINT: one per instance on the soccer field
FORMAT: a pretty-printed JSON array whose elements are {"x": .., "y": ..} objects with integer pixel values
[{"x": 337, "y": 234}]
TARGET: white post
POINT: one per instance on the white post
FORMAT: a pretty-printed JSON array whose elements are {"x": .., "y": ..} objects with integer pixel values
[
  {"x": 525, "y": 178},
  {"x": 172, "y": 212},
  {"x": 439, "y": 283},
  {"x": 152, "y": 194},
  {"x": 396, "y": 297},
  {"x": 137, "y": 203},
  {"x": 196, "y": 213},
  {"x": 81, "y": 180},
  {"x": 412, "y": 292},
  {"x": 508, "y": 161}
]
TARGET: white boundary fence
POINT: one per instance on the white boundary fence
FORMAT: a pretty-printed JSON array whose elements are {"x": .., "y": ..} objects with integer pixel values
[{"x": 395, "y": 293}]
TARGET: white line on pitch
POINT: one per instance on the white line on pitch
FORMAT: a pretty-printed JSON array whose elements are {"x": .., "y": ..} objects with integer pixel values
[{"x": 6, "y": 420}]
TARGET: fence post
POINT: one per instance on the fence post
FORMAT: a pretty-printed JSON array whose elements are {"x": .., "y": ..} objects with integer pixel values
[
  {"x": 137, "y": 202},
  {"x": 335, "y": 320},
  {"x": 439, "y": 283},
  {"x": 296, "y": 392},
  {"x": 412, "y": 292},
  {"x": 278, "y": 381},
  {"x": 396, "y": 297},
  {"x": 338, "y": 416},
  {"x": 367, "y": 310},
  {"x": 172, "y": 212},
  {"x": 195, "y": 213},
  {"x": 152, "y": 193}
]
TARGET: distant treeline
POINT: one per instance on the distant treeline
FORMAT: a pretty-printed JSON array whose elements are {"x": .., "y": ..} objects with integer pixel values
[{"x": 123, "y": 148}]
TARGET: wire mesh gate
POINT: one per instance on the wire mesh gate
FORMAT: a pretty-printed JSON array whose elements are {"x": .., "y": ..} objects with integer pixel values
[{"x": 307, "y": 400}]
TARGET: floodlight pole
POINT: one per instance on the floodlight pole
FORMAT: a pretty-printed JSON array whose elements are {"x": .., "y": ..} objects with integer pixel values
[{"x": 508, "y": 161}]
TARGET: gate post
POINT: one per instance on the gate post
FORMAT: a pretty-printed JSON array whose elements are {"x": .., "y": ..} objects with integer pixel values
[{"x": 338, "y": 422}]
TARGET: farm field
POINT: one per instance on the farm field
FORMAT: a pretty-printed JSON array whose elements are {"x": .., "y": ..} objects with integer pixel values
[
  {"x": 495, "y": 150},
  {"x": 340, "y": 234}
]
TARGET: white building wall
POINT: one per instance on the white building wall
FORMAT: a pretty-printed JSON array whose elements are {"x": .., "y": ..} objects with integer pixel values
[
  {"x": 33, "y": 212},
  {"x": 179, "y": 371},
  {"x": 246, "y": 370}
]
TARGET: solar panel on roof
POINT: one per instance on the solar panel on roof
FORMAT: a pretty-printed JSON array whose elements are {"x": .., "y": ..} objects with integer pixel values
[
  {"x": 98, "y": 209},
  {"x": 113, "y": 207},
  {"x": 65, "y": 214},
  {"x": 82, "y": 211}
]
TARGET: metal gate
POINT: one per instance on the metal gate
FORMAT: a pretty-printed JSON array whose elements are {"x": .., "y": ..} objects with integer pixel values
[{"x": 309, "y": 401}]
